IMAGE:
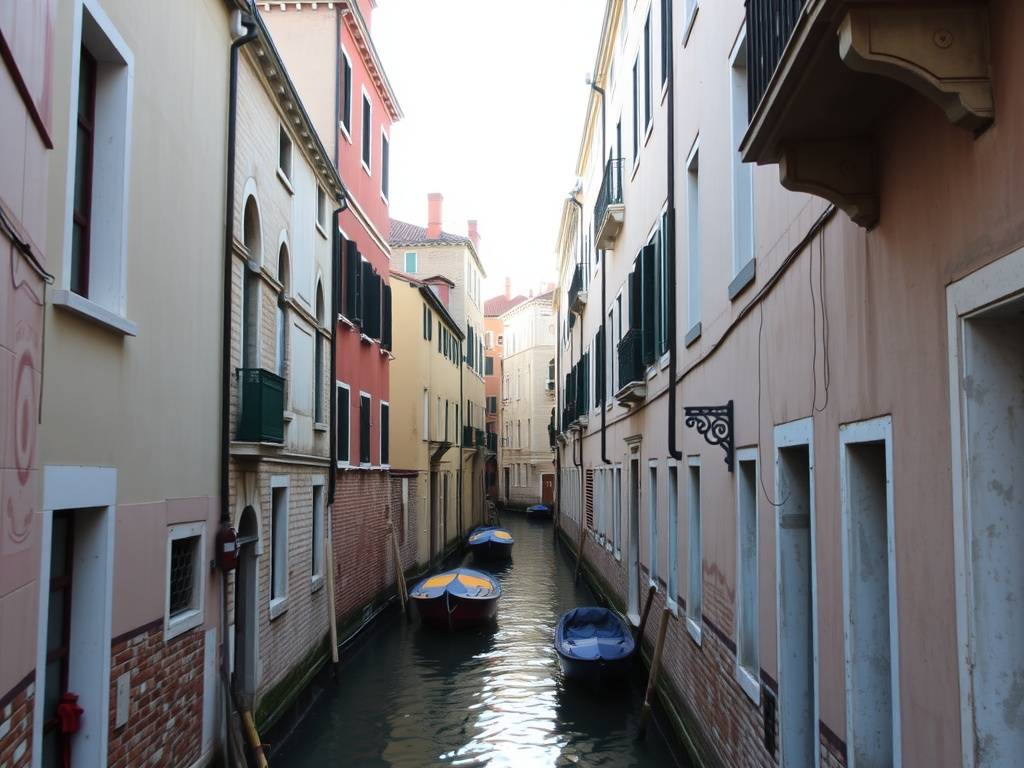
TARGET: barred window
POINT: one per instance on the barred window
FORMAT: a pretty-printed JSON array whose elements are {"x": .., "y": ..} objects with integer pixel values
[
  {"x": 184, "y": 595},
  {"x": 182, "y": 586}
]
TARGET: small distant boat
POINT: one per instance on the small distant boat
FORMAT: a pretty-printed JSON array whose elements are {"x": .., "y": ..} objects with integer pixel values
[
  {"x": 457, "y": 599},
  {"x": 491, "y": 542},
  {"x": 538, "y": 512},
  {"x": 593, "y": 644}
]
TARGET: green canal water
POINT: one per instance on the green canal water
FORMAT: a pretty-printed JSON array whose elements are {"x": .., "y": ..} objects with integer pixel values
[{"x": 411, "y": 697}]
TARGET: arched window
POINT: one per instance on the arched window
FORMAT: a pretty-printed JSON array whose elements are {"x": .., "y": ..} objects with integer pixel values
[
  {"x": 318, "y": 357},
  {"x": 252, "y": 240},
  {"x": 282, "y": 318}
]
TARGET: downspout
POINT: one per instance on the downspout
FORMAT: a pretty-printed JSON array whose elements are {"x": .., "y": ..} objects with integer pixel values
[
  {"x": 225, "y": 405},
  {"x": 670, "y": 237},
  {"x": 558, "y": 420},
  {"x": 461, "y": 436},
  {"x": 604, "y": 300}
]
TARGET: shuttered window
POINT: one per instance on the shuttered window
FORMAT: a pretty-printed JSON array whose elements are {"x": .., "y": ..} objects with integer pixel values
[
  {"x": 351, "y": 280},
  {"x": 344, "y": 413},
  {"x": 385, "y": 337},
  {"x": 385, "y": 441},
  {"x": 588, "y": 498},
  {"x": 364, "y": 428},
  {"x": 647, "y": 298}
]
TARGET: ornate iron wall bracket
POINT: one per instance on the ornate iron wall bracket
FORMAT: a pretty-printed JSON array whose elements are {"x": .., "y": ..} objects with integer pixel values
[{"x": 714, "y": 423}]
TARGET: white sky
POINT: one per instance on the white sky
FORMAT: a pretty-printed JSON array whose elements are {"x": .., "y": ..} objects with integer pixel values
[{"x": 494, "y": 96}]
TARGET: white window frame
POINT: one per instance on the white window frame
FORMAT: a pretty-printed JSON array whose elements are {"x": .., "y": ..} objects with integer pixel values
[
  {"x": 321, "y": 211},
  {"x": 694, "y": 546},
  {"x": 279, "y": 605},
  {"x": 380, "y": 434},
  {"x": 366, "y": 104},
  {"x": 366, "y": 464},
  {"x": 384, "y": 178},
  {"x": 338, "y": 384},
  {"x": 345, "y": 130},
  {"x": 742, "y": 173},
  {"x": 690, "y": 9},
  {"x": 319, "y": 516},
  {"x": 617, "y": 522},
  {"x": 749, "y": 679},
  {"x": 873, "y": 430},
  {"x": 195, "y": 615},
  {"x": 111, "y": 173},
  {"x": 285, "y": 175},
  {"x": 693, "y": 311}
]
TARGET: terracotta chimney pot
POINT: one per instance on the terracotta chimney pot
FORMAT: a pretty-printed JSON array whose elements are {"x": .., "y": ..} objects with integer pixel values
[{"x": 434, "y": 203}]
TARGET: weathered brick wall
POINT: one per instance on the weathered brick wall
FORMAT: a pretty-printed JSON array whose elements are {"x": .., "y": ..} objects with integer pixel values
[
  {"x": 362, "y": 563},
  {"x": 406, "y": 537},
  {"x": 165, "y": 715},
  {"x": 16, "y": 724}
]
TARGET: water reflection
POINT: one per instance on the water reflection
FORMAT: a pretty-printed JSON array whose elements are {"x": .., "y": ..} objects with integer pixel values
[{"x": 412, "y": 696}]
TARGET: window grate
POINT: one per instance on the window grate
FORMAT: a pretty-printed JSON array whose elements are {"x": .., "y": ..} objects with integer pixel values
[{"x": 182, "y": 585}]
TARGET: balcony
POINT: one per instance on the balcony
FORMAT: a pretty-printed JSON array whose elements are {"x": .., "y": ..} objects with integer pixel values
[
  {"x": 822, "y": 74},
  {"x": 468, "y": 437},
  {"x": 632, "y": 371},
  {"x": 492, "y": 442},
  {"x": 261, "y": 419},
  {"x": 577, "y": 296},
  {"x": 481, "y": 438},
  {"x": 609, "y": 212}
]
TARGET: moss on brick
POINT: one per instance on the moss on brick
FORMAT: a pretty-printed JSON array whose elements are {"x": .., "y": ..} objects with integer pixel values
[{"x": 281, "y": 695}]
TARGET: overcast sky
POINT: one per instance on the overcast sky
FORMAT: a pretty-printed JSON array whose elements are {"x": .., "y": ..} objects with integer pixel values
[{"x": 494, "y": 96}]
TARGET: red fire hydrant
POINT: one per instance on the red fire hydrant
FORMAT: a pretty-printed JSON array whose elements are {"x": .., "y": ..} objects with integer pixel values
[{"x": 70, "y": 716}]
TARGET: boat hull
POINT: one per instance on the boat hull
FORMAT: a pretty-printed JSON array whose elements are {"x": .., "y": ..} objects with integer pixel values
[
  {"x": 452, "y": 612},
  {"x": 596, "y": 671},
  {"x": 491, "y": 550}
]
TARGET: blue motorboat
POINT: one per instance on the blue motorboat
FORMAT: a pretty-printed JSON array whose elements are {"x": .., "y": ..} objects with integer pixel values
[
  {"x": 539, "y": 512},
  {"x": 457, "y": 599},
  {"x": 491, "y": 543},
  {"x": 593, "y": 644}
]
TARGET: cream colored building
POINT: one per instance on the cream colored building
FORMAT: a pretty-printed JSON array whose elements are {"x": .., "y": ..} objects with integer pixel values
[
  {"x": 426, "y": 385},
  {"x": 428, "y": 251},
  {"x": 528, "y": 400},
  {"x": 287, "y": 193},
  {"x": 786, "y": 409}
]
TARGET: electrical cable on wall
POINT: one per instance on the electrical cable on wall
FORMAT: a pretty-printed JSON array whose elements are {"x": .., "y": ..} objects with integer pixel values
[{"x": 760, "y": 464}]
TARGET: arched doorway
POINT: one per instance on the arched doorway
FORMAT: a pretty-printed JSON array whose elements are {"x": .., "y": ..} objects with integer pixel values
[{"x": 243, "y": 678}]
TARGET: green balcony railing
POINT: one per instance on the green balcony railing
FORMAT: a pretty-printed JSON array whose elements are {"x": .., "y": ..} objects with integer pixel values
[
  {"x": 492, "y": 442},
  {"x": 481, "y": 438},
  {"x": 261, "y": 419},
  {"x": 631, "y": 367}
]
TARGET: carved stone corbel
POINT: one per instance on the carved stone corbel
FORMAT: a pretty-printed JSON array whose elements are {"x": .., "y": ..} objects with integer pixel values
[
  {"x": 843, "y": 171},
  {"x": 942, "y": 52}
]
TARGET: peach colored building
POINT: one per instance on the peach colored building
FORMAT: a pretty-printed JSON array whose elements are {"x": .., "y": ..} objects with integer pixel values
[{"x": 792, "y": 409}]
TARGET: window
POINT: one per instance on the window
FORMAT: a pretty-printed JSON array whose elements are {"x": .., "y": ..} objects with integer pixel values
[
  {"x": 661, "y": 284},
  {"x": 672, "y": 587},
  {"x": 489, "y": 366},
  {"x": 318, "y": 359},
  {"x": 367, "y": 127},
  {"x": 364, "y": 428},
  {"x": 742, "y": 178},
  {"x": 385, "y": 438},
  {"x": 321, "y": 209},
  {"x": 689, "y": 14},
  {"x": 636, "y": 112},
  {"x": 278, "y": 542},
  {"x": 317, "y": 544},
  {"x": 251, "y": 286},
  {"x": 385, "y": 162},
  {"x": 648, "y": 111},
  {"x": 281, "y": 317},
  {"x": 748, "y": 667},
  {"x": 617, "y": 511},
  {"x": 344, "y": 415},
  {"x": 693, "y": 242},
  {"x": 489, "y": 339},
  {"x": 652, "y": 520},
  {"x": 695, "y": 592},
  {"x": 185, "y": 560},
  {"x": 410, "y": 262},
  {"x": 492, "y": 404},
  {"x": 97, "y": 208},
  {"x": 666, "y": 40},
  {"x": 284, "y": 153},
  {"x": 346, "y": 94}
]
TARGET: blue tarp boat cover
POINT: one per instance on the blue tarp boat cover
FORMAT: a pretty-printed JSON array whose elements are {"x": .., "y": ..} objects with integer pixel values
[
  {"x": 462, "y": 582},
  {"x": 591, "y": 633},
  {"x": 490, "y": 533},
  {"x": 539, "y": 508}
]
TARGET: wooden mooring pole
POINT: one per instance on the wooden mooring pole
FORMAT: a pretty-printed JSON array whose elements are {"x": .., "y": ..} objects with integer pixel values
[
  {"x": 403, "y": 591},
  {"x": 652, "y": 679},
  {"x": 643, "y": 616},
  {"x": 329, "y": 563}
]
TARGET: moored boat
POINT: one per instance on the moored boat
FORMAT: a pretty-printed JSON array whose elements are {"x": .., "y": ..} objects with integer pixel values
[
  {"x": 593, "y": 644},
  {"x": 456, "y": 599},
  {"x": 491, "y": 543},
  {"x": 538, "y": 512}
]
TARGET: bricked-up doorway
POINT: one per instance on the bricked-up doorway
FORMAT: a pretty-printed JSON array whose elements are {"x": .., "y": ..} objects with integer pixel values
[{"x": 243, "y": 673}]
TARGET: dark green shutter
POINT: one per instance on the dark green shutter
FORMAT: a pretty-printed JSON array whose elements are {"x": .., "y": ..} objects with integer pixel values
[
  {"x": 635, "y": 314},
  {"x": 386, "y": 317},
  {"x": 648, "y": 299},
  {"x": 385, "y": 439},
  {"x": 364, "y": 429},
  {"x": 351, "y": 279}
]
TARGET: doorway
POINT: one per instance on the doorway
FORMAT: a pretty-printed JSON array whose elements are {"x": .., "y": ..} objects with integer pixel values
[
  {"x": 634, "y": 535},
  {"x": 243, "y": 671},
  {"x": 433, "y": 514},
  {"x": 986, "y": 371},
  {"x": 508, "y": 481},
  {"x": 796, "y": 603},
  {"x": 547, "y": 489}
]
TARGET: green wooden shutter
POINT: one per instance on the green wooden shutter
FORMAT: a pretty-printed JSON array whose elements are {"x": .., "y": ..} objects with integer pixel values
[
  {"x": 648, "y": 300},
  {"x": 635, "y": 314},
  {"x": 386, "y": 317},
  {"x": 351, "y": 279},
  {"x": 364, "y": 429}
]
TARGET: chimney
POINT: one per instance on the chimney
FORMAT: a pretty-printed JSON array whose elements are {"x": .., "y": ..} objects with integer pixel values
[
  {"x": 474, "y": 234},
  {"x": 434, "y": 201},
  {"x": 508, "y": 287}
]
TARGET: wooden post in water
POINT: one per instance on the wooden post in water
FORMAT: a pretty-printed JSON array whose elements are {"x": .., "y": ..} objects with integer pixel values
[
  {"x": 329, "y": 563},
  {"x": 643, "y": 616},
  {"x": 652, "y": 680},
  {"x": 403, "y": 593}
]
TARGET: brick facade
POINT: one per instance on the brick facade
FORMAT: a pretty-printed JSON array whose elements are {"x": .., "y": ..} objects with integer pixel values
[
  {"x": 165, "y": 713},
  {"x": 16, "y": 724}
]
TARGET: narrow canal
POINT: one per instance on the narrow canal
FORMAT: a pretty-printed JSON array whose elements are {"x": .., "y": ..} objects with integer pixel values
[{"x": 411, "y": 696}]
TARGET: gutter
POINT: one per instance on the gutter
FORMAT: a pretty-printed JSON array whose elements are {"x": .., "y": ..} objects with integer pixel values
[
  {"x": 225, "y": 415},
  {"x": 670, "y": 237}
]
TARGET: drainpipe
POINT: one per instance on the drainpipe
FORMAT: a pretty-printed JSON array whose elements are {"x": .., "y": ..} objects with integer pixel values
[
  {"x": 249, "y": 26},
  {"x": 604, "y": 281},
  {"x": 461, "y": 437},
  {"x": 670, "y": 237},
  {"x": 558, "y": 417}
]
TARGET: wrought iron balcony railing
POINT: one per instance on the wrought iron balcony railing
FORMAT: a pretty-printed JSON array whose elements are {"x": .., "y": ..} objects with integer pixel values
[
  {"x": 632, "y": 378},
  {"x": 577, "y": 296},
  {"x": 467, "y": 436},
  {"x": 770, "y": 24},
  {"x": 261, "y": 418},
  {"x": 609, "y": 195}
]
